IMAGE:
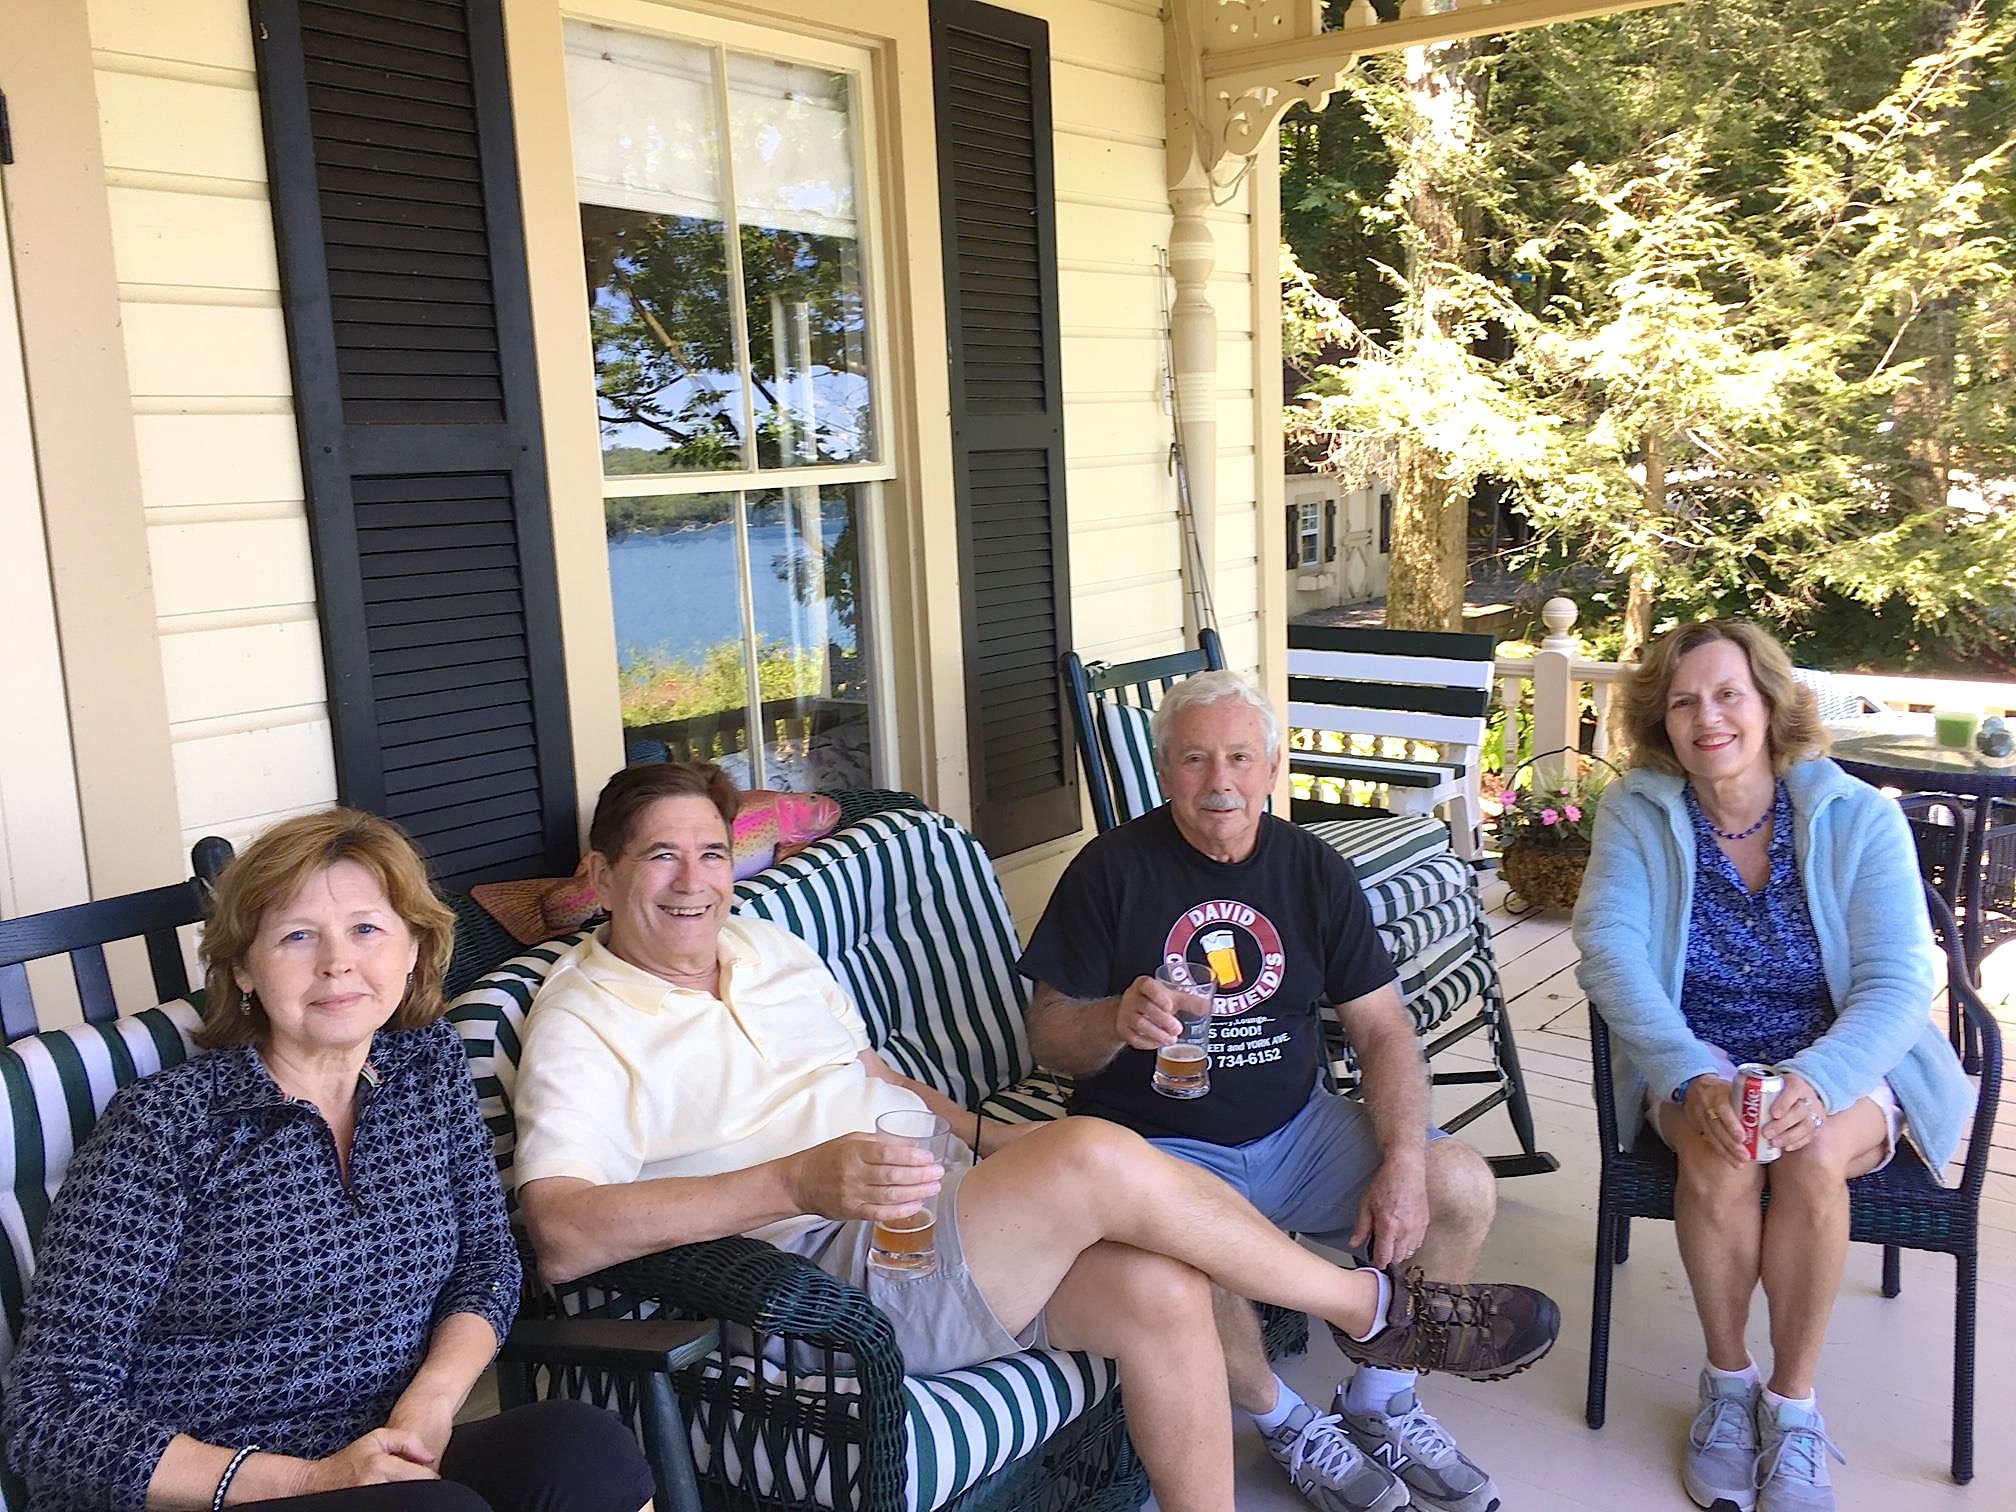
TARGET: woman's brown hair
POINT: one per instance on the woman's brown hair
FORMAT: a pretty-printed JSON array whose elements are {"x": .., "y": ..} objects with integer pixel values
[
  {"x": 274, "y": 868},
  {"x": 1795, "y": 731}
]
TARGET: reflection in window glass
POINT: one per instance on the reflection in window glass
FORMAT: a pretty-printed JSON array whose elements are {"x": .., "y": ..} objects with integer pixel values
[
  {"x": 805, "y": 565},
  {"x": 675, "y": 565},
  {"x": 674, "y": 574},
  {"x": 793, "y": 152}
]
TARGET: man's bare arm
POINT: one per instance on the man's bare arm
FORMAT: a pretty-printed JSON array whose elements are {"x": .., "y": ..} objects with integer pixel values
[
  {"x": 1393, "y": 1074},
  {"x": 581, "y": 1226},
  {"x": 1073, "y": 1035},
  {"x": 969, "y": 1126}
]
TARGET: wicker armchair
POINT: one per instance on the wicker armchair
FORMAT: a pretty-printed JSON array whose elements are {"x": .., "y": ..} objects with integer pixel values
[{"x": 1899, "y": 1207}]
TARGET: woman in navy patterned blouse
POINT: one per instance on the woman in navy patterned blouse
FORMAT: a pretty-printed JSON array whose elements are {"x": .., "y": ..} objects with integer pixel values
[
  {"x": 1747, "y": 900},
  {"x": 275, "y": 1271}
]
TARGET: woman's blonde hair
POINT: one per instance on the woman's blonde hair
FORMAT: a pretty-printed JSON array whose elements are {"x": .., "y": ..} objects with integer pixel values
[
  {"x": 1795, "y": 731},
  {"x": 274, "y": 868}
]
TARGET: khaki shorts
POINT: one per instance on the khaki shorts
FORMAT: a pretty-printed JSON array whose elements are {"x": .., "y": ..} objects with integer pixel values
[{"x": 941, "y": 1320}]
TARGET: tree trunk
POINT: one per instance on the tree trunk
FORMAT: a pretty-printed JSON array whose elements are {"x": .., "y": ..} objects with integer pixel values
[
  {"x": 1638, "y": 601},
  {"x": 1430, "y": 564},
  {"x": 1425, "y": 578}
]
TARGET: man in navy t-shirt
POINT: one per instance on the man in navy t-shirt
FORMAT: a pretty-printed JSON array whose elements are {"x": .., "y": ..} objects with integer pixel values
[{"x": 1276, "y": 919}]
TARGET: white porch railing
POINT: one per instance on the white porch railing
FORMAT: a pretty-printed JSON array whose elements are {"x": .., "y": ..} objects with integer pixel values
[
  {"x": 1546, "y": 701},
  {"x": 1542, "y": 699}
]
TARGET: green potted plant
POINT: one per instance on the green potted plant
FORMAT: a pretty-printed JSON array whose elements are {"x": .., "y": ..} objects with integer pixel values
[{"x": 1544, "y": 831}]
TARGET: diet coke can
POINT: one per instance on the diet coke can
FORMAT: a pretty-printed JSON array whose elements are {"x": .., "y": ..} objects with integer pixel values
[{"x": 1756, "y": 1089}]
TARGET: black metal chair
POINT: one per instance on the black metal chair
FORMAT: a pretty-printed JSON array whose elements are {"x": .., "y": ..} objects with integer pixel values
[{"x": 1899, "y": 1207}]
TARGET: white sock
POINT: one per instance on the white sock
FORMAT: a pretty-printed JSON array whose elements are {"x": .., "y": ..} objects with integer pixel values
[
  {"x": 1746, "y": 1376},
  {"x": 1773, "y": 1401},
  {"x": 1373, "y": 1388},
  {"x": 1379, "y": 1308},
  {"x": 1285, "y": 1402}
]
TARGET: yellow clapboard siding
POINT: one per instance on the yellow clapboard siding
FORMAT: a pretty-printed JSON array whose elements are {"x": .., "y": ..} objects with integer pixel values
[
  {"x": 222, "y": 778},
  {"x": 196, "y": 240},
  {"x": 213, "y": 674},
  {"x": 1110, "y": 620},
  {"x": 154, "y": 125},
  {"x": 1100, "y": 100},
  {"x": 218, "y": 459},
  {"x": 217, "y": 33},
  {"x": 206, "y": 351},
  {"x": 231, "y": 564},
  {"x": 1090, "y": 166},
  {"x": 1113, "y": 363},
  {"x": 1088, "y": 298}
]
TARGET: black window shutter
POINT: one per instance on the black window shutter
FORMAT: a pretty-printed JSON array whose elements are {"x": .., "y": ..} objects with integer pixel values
[
  {"x": 992, "y": 72},
  {"x": 1294, "y": 536},
  {"x": 395, "y": 199},
  {"x": 1385, "y": 523},
  {"x": 1330, "y": 530}
]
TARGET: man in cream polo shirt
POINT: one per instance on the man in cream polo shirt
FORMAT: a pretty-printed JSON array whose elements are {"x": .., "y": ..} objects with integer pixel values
[{"x": 688, "y": 1075}]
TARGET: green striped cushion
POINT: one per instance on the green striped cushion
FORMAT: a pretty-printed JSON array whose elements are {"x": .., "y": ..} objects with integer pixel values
[
  {"x": 905, "y": 910},
  {"x": 1041, "y": 1097},
  {"x": 58, "y": 1082},
  {"x": 1437, "y": 961},
  {"x": 1434, "y": 1003},
  {"x": 1130, "y": 750},
  {"x": 490, "y": 1017},
  {"x": 1379, "y": 849},
  {"x": 958, "y": 1427},
  {"x": 1431, "y": 880},
  {"x": 1416, "y": 932}
]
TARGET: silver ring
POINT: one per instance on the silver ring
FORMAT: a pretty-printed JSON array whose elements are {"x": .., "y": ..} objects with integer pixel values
[{"x": 1818, "y": 1118}]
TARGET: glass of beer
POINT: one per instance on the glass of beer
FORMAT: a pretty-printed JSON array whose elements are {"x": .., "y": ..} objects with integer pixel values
[
  {"x": 907, "y": 1245},
  {"x": 1183, "y": 1070}
]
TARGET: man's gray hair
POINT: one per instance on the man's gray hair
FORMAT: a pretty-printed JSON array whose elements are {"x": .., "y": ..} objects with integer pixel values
[{"x": 1209, "y": 688}]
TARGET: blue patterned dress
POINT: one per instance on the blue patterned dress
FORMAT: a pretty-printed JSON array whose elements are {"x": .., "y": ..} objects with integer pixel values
[{"x": 207, "y": 1269}]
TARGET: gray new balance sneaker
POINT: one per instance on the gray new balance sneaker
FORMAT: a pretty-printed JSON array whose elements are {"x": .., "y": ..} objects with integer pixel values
[
  {"x": 1327, "y": 1468},
  {"x": 1722, "y": 1447},
  {"x": 1408, "y": 1441},
  {"x": 1792, "y": 1460}
]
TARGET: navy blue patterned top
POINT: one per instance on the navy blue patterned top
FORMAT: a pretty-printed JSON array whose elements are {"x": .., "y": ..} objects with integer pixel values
[
  {"x": 1753, "y": 983},
  {"x": 206, "y": 1270}
]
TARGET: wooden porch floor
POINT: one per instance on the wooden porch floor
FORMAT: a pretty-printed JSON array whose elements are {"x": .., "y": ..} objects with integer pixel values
[{"x": 1886, "y": 1379}]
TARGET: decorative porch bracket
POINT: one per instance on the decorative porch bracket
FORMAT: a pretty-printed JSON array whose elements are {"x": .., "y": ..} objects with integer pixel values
[{"x": 1234, "y": 68}]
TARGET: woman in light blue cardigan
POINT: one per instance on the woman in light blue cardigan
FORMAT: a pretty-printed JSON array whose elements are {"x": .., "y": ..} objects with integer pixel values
[{"x": 1747, "y": 900}]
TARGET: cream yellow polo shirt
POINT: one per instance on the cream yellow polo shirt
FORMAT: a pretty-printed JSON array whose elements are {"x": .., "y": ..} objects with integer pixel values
[{"x": 625, "y": 1077}]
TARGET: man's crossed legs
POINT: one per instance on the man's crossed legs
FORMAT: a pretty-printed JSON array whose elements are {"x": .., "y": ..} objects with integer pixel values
[
  {"x": 1118, "y": 1248},
  {"x": 1376, "y": 1447}
]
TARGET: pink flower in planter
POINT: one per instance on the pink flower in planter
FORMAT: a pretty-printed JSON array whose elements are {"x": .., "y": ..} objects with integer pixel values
[
  {"x": 1572, "y": 812},
  {"x": 1549, "y": 816}
]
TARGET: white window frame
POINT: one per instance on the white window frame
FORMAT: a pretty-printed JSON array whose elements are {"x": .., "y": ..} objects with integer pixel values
[
  {"x": 871, "y": 498},
  {"x": 1309, "y": 533}
]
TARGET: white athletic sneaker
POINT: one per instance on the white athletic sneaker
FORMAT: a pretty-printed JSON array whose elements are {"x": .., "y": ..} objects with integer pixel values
[
  {"x": 1327, "y": 1468},
  {"x": 1408, "y": 1441}
]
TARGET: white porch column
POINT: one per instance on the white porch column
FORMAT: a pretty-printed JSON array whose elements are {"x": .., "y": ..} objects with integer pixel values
[{"x": 1194, "y": 387}]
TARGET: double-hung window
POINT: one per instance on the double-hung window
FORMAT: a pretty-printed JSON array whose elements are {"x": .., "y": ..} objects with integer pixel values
[
  {"x": 1309, "y": 534},
  {"x": 727, "y": 239}
]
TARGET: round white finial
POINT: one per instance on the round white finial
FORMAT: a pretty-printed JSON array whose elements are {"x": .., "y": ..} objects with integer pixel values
[{"x": 1557, "y": 614}]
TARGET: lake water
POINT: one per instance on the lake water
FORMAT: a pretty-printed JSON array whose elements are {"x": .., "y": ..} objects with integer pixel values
[{"x": 676, "y": 593}]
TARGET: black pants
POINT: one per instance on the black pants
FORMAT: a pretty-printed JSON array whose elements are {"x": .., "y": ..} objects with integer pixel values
[{"x": 549, "y": 1457}]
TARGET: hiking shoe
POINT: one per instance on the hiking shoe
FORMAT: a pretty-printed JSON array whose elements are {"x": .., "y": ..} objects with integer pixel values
[
  {"x": 1792, "y": 1460},
  {"x": 1408, "y": 1441},
  {"x": 1721, "y": 1471},
  {"x": 1327, "y": 1468},
  {"x": 1484, "y": 1332}
]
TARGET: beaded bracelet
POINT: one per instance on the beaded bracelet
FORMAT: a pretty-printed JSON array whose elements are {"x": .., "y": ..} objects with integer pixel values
[{"x": 230, "y": 1471}]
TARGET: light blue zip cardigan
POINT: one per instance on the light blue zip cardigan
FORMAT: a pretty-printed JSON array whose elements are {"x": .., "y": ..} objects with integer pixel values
[{"x": 1860, "y": 873}]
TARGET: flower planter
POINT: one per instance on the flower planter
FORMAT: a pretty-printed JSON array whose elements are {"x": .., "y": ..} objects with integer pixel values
[{"x": 1544, "y": 876}]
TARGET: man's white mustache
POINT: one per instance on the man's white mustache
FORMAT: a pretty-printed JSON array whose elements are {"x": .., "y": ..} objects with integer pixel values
[{"x": 1220, "y": 803}]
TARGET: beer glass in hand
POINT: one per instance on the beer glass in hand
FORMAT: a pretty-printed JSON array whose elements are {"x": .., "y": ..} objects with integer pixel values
[
  {"x": 1184, "y": 1069},
  {"x": 907, "y": 1245}
]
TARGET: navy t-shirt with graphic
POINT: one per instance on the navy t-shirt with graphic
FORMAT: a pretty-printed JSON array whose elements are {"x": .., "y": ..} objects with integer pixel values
[{"x": 1277, "y": 931}]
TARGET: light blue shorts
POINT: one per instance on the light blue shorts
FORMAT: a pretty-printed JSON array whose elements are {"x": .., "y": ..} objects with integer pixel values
[{"x": 1309, "y": 1175}]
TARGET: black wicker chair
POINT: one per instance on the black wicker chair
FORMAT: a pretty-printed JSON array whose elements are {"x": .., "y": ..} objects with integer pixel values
[{"x": 1900, "y": 1207}]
